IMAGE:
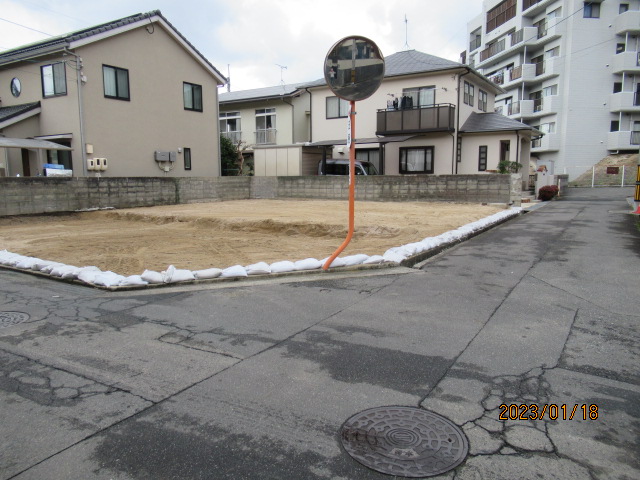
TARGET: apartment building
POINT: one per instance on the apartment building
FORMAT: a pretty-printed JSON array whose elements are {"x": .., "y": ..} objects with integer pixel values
[{"x": 570, "y": 68}]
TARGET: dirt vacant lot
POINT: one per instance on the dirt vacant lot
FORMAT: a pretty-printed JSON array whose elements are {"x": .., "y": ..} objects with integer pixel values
[{"x": 223, "y": 234}]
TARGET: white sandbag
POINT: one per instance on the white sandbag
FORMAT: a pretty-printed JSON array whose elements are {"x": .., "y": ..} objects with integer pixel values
[
  {"x": 88, "y": 275},
  {"x": 173, "y": 275},
  {"x": 13, "y": 260},
  {"x": 27, "y": 263},
  {"x": 352, "y": 260},
  {"x": 393, "y": 257},
  {"x": 49, "y": 268},
  {"x": 133, "y": 280},
  {"x": 235, "y": 271},
  {"x": 40, "y": 264},
  {"x": 374, "y": 260},
  {"x": 307, "y": 264},
  {"x": 108, "y": 279},
  {"x": 208, "y": 273},
  {"x": 260, "y": 268},
  {"x": 151, "y": 276},
  {"x": 66, "y": 271},
  {"x": 337, "y": 262},
  {"x": 283, "y": 267}
]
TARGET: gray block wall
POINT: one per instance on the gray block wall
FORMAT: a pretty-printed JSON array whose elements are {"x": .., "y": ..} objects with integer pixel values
[{"x": 35, "y": 195}]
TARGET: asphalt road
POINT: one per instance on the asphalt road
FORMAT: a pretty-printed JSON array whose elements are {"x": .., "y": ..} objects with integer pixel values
[{"x": 253, "y": 380}]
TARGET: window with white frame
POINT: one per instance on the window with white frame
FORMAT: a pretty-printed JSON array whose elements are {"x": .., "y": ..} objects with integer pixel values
[
  {"x": 482, "y": 100},
  {"x": 54, "y": 80},
  {"x": 416, "y": 160},
  {"x": 421, "y": 96},
  {"x": 116, "y": 82},
  {"x": 552, "y": 52},
  {"x": 337, "y": 108},
  {"x": 548, "y": 127},
  {"x": 266, "y": 125},
  {"x": 469, "y": 94},
  {"x": 192, "y": 96},
  {"x": 557, "y": 13},
  {"x": 230, "y": 125},
  {"x": 550, "y": 90}
]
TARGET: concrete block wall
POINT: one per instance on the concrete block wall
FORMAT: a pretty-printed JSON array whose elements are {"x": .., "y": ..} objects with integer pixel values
[{"x": 34, "y": 195}]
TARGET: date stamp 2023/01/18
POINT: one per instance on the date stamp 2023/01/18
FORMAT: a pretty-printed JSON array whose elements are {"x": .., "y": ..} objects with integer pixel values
[{"x": 550, "y": 411}]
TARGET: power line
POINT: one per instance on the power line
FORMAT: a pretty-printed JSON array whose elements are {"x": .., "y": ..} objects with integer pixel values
[{"x": 28, "y": 28}]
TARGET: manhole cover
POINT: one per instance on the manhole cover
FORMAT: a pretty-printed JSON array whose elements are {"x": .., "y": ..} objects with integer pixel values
[
  {"x": 12, "y": 318},
  {"x": 404, "y": 441}
]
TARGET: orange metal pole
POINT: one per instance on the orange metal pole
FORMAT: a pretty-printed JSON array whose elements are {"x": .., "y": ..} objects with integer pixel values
[{"x": 352, "y": 188}]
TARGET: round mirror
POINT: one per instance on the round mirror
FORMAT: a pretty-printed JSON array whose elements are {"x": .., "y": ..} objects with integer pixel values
[{"x": 354, "y": 68}]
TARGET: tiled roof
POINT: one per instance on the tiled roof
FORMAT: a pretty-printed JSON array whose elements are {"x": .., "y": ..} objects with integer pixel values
[
  {"x": 59, "y": 43},
  {"x": 492, "y": 122},
  {"x": 258, "y": 93},
  {"x": 7, "y": 113}
]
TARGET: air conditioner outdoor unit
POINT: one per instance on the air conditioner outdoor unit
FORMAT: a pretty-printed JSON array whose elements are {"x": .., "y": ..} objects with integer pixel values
[{"x": 165, "y": 156}]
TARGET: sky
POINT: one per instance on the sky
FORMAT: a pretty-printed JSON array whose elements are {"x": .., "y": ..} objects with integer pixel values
[{"x": 254, "y": 40}]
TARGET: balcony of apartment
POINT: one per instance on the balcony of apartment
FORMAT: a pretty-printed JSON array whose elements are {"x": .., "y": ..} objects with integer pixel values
[
  {"x": 627, "y": 22},
  {"x": 625, "y": 102},
  {"x": 515, "y": 110},
  {"x": 531, "y": 8},
  {"x": 235, "y": 137},
  {"x": 553, "y": 30},
  {"x": 434, "y": 118},
  {"x": 542, "y": 106},
  {"x": 626, "y": 62},
  {"x": 507, "y": 46},
  {"x": 549, "y": 142},
  {"x": 623, "y": 140},
  {"x": 266, "y": 137}
]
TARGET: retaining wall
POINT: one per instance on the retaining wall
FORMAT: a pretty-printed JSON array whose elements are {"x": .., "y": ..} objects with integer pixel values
[{"x": 33, "y": 195}]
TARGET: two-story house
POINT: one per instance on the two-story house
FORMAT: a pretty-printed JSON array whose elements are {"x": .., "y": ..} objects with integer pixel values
[
  {"x": 429, "y": 116},
  {"x": 267, "y": 116},
  {"x": 133, "y": 91}
]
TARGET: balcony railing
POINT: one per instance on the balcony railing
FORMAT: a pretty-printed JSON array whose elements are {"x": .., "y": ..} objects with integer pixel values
[
  {"x": 517, "y": 37},
  {"x": 493, "y": 50},
  {"x": 434, "y": 118},
  {"x": 510, "y": 109},
  {"x": 266, "y": 136},
  {"x": 475, "y": 43},
  {"x": 498, "y": 78},
  {"x": 233, "y": 136},
  {"x": 539, "y": 68},
  {"x": 529, "y": 3}
]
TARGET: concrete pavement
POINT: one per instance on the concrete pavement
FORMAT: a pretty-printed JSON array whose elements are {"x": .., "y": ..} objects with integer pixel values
[{"x": 253, "y": 380}]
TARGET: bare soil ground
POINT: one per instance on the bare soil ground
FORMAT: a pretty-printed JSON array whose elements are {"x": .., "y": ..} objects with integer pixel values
[
  {"x": 602, "y": 178},
  {"x": 223, "y": 234}
]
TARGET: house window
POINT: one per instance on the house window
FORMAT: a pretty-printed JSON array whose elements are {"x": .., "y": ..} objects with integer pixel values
[
  {"x": 557, "y": 13},
  {"x": 337, "y": 107},
  {"x": 230, "y": 126},
  {"x": 591, "y": 10},
  {"x": 482, "y": 158},
  {"x": 500, "y": 14},
  {"x": 550, "y": 90},
  {"x": 187, "y": 158},
  {"x": 553, "y": 52},
  {"x": 475, "y": 39},
  {"x": 421, "y": 96},
  {"x": 548, "y": 127},
  {"x": 54, "y": 80},
  {"x": 266, "y": 125},
  {"x": 482, "y": 100},
  {"x": 469, "y": 93},
  {"x": 615, "y": 126},
  {"x": 371, "y": 155},
  {"x": 416, "y": 160},
  {"x": 617, "y": 87},
  {"x": 192, "y": 96},
  {"x": 624, "y": 7},
  {"x": 620, "y": 47},
  {"x": 116, "y": 82}
]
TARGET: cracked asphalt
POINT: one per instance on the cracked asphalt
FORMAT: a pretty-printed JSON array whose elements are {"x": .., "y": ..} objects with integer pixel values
[{"x": 527, "y": 337}]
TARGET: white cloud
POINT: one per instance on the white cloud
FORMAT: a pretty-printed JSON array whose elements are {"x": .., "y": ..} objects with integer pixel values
[{"x": 255, "y": 35}]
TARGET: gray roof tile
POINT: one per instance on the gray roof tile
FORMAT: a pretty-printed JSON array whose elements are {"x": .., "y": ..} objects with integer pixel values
[
  {"x": 7, "y": 113},
  {"x": 258, "y": 93},
  {"x": 492, "y": 122}
]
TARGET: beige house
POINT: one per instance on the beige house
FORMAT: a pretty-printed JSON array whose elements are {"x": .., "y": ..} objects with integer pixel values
[
  {"x": 133, "y": 91},
  {"x": 429, "y": 116}
]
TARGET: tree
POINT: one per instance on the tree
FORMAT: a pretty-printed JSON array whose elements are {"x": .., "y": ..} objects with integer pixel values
[{"x": 228, "y": 156}]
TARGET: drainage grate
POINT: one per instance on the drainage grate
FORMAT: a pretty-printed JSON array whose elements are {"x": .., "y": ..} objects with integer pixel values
[
  {"x": 12, "y": 318},
  {"x": 404, "y": 441}
]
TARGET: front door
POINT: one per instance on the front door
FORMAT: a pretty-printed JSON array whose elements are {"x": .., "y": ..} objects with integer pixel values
[{"x": 26, "y": 168}]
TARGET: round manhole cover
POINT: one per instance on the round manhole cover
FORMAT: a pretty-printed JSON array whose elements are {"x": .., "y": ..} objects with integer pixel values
[
  {"x": 12, "y": 318},
  {"x": 404, "y": 441}
]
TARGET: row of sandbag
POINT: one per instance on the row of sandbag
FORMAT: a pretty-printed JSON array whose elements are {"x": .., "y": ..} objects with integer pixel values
[{"x": 94, "y": 276}]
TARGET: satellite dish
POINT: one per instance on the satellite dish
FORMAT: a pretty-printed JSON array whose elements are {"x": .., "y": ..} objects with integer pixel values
[{"x": 354, "y": 68}]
